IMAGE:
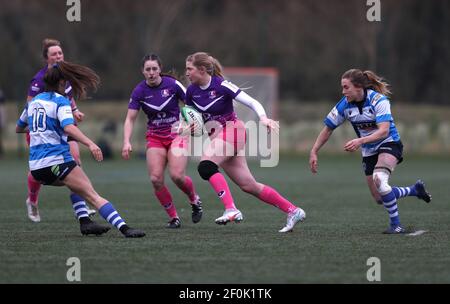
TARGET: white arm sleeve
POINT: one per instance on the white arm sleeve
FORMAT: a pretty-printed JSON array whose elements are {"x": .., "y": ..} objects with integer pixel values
[{"x": 250, "y": 102}]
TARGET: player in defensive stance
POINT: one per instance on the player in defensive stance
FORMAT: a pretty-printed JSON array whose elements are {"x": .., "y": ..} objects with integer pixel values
[
  {"x": 213, "y": 96},
  {"x": 52, "y": 53},
  {"x": 49, "y": 120},
  {"x": 158, "y": 96},
  {"x": 366, "y": 105}
]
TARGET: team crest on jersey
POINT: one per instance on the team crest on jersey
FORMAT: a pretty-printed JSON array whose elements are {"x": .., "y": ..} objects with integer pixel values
[
  {"x": 165, "y": 93},
  {"x": 212, "y": 94}
]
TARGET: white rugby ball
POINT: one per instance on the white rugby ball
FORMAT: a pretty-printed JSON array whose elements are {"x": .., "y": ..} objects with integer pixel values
[{"x": 194, "y": 119}]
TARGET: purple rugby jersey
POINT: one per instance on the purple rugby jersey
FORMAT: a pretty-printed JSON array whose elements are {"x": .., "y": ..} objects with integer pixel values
[
  {"x": 215, "y": 102},
  {"x": 160, "y": 104}
]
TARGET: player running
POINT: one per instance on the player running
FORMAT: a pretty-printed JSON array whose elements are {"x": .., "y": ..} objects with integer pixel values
[
  {"x": 366, "y": 106},
  {"x": 48, "y": 118},
  {"x": 213, "y": 96},
  {"x": 158, "y": 96}
]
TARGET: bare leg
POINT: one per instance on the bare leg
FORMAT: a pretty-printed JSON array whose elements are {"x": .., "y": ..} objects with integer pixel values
[
  {"x": 373, "y": 190},
  {"x": 177, "y": 170},
  {"x": 78, "y": 182},
  {"x": 156, "y": 164},
  {"x": 237, "y": 169}
]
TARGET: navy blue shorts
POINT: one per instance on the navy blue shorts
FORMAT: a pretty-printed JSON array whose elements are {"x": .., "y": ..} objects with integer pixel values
[
  {"x": 394, "y": 148},
  {"x": 49, "y": 175}
]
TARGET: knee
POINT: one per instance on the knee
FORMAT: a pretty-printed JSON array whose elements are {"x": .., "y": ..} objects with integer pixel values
[
  {"x": 381, "y": 181},
  {"x": 177, "y": 177},
  {"x": 157, "y": 181},
  {"x": 207, "y": 168}
]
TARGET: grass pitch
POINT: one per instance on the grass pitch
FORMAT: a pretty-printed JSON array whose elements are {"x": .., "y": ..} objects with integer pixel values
[{"x": 342, "y": 230}]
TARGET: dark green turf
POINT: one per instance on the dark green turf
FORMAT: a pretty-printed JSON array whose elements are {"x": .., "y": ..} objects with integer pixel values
[{"x": 342, "y": 230}]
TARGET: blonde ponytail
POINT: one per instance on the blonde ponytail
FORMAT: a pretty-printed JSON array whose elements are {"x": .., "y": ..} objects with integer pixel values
[
  {"x": 377, "y": 83},
  {"x": 211, "y": 64}
]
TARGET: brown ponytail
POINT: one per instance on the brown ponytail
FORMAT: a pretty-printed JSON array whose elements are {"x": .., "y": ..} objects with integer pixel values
[
  {"x": 211, "y": 64},
  {"x": 367, "y": 80},
  {"x": 80, "y": 78}
]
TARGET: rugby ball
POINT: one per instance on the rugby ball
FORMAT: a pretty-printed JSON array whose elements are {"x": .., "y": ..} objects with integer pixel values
[{"x": 194, "y": 119}]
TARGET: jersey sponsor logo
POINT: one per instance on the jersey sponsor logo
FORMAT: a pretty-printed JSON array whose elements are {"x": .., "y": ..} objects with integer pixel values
[
  {"x": 209, "y": 105},
  {"x": 334, "y": 113},
  {"x": 35, "y": 87},
  {"x": 366, "y": 126}
]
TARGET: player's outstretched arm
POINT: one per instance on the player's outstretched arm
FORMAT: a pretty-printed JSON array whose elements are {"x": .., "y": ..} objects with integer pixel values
[
  {"x": 256, "y": 106},
  {"x": 127, "y": 131},
  {"x": 76, "y": 133},
  {"x": 323, "y": 137}
]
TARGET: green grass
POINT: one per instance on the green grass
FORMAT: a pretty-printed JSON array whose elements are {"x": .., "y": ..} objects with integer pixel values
[{"x": 342, "y": 230}]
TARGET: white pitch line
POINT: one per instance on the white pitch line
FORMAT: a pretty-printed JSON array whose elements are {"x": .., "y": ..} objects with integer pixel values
[{"x": 417, "y": 233}]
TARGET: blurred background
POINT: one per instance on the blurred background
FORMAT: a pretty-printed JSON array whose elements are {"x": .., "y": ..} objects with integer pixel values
[{"x": 300, "y": 47}]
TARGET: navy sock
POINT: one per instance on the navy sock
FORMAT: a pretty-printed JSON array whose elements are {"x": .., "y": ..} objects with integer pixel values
[
  {"x": 79, "y": 206},
  {"x": 110, "y": 214},
  {"x": 390, "y": 203}
]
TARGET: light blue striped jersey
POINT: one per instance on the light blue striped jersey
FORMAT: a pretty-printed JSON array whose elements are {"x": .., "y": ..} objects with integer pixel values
[
  {"x": 375, "y": 109},
  {"x": 46, "y": 116}
]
